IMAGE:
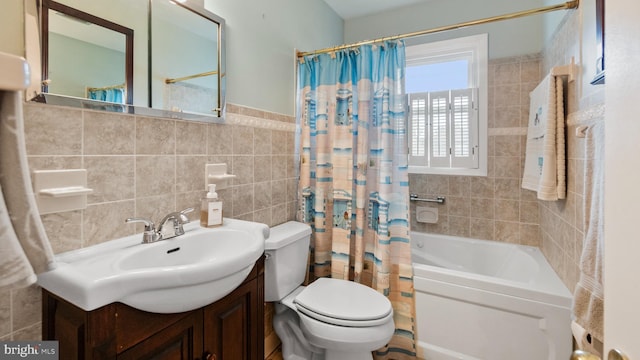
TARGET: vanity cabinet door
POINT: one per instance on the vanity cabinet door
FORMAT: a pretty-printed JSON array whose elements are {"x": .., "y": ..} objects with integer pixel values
[
  {"x": 182, "y": 340},
  {"x": 231, "y": 325}
]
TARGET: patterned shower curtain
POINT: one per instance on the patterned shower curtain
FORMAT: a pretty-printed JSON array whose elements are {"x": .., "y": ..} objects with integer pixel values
[
  {"x": 354, "y": 188},
  {"x": 115, "y": 95}
]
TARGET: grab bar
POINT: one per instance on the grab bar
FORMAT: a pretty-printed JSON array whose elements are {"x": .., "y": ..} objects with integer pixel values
[{"x": 439, "y": 199}]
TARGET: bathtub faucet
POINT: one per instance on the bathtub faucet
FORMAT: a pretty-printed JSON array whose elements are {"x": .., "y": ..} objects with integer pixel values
[{"x": 150, "y": 234}]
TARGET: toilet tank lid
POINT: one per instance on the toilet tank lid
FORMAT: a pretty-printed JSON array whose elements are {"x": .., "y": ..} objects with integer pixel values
[{"x": 285, "y": 234}]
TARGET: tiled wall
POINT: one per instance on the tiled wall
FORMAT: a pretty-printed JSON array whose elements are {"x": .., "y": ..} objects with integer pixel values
[
  {"x": 492, "y": 207},
  {"x": 562, "y": 222},
  {"x": 141, "y": 166}
]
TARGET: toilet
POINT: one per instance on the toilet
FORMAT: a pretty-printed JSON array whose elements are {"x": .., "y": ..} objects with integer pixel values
[{"x": 329, "y": 319}]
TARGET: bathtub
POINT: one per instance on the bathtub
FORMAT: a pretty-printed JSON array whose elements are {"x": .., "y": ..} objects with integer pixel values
[{"x": 479, "y": 299}]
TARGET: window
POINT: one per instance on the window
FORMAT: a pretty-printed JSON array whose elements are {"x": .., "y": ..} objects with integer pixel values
[{"x": 447, "y": 86}]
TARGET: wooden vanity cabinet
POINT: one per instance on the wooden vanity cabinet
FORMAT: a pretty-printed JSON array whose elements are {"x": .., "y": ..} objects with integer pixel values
[{"x": 231, "y": 328}]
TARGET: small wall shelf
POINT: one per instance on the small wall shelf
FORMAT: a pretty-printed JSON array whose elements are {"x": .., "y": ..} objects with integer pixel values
[
  {"x": 66, "y": 191},
  {"x": 60, "y": 190},
  {"x": 221, "y": 177},
  {"x": 217, "y": 174}
]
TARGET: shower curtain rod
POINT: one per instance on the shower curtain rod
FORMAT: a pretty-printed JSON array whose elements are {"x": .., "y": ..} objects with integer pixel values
[
  {"x": 567, "y": 5},
  {"x": 107, "y": 87},
  {"x": 208, "y": 73}
]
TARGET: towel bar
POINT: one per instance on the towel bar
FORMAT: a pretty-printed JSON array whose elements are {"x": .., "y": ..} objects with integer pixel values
[
  {"x": 439, "y": 199},
  {"x": 570, "y": 70}
]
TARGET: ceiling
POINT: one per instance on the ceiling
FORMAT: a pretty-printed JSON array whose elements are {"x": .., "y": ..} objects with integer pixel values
[{"x": 348, "y": 9}]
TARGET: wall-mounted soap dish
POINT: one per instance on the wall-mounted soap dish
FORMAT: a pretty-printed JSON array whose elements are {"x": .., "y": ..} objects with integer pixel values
[
  {"x": 427, "y": 215},
  {"x": 217, "y": 174},
  {"x": 60, "y": 190}
]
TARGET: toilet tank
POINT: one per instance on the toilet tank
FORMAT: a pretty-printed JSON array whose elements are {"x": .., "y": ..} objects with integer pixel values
[{"x": 287, "y": 250}]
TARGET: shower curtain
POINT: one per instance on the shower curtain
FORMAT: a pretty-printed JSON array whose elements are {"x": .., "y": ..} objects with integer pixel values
[
  {"x": 115, "y": 95},
  {"x": 354, "y": 188}
]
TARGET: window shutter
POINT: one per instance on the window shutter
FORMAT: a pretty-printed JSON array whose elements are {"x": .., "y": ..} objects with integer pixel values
[
  {"x": 464, "y": 130},
  {"x": 443, "y": 131},
  {"x": 439, "y": 129},
  {"x": 418, "y": 129}
]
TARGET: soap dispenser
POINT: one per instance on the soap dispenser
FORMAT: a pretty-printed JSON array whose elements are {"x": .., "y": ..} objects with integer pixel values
[{"x": 211, "y": 210}]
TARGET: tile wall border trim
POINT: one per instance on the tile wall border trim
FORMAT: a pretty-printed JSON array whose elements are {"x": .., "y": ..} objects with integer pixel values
[
  {"x": 245, "y": 120},
  {"x": 513, "y": 131},
  {"x": 579, "y": 117}
]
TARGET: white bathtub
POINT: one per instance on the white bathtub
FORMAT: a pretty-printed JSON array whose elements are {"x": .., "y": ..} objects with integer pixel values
[{"x": 479, "y": 299}]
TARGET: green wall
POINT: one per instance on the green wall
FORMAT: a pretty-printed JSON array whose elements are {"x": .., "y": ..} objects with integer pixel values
[
  {"x": 12, "y": 27},
  {"x": 506, "y": 38},
  {"x": 261, "y": 38}
]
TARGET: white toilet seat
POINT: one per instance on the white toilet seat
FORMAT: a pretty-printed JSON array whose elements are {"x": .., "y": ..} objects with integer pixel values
[
  {"x": 343, "y": 303},
  {"x": 343, "y": 322}
]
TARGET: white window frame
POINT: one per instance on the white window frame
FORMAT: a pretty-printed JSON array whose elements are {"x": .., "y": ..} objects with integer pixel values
[{"x": 475, "y": 50}]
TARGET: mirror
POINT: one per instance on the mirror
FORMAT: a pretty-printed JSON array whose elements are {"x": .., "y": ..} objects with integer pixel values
[
  {"x": 153, "y": 57},
  {"x": 184, "y": 59},
  {"x": 85, "y": 56}
]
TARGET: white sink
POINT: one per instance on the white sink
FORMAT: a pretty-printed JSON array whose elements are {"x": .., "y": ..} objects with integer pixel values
[{"x": 168, "y": 276}]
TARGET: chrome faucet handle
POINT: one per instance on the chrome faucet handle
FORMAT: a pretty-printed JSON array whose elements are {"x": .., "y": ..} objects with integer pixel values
[
  {"x": 183, "y": 217},
  {"x": 150, "y": 235},
  {"x": 187, "y": 210},
  {"x": 177, "y": 220},
  {"x": 175, "y": 217},
  {"x": 148, "y": 224}
]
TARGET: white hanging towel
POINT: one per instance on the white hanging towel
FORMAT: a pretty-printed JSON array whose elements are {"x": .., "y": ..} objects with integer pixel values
[
  {"x": 544, "y": 166},
  {"x": 588, "y": 300},
  {"x": 25, "y": 250}
]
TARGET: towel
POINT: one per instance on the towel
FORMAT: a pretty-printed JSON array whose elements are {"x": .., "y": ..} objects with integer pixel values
[
  {"x": 588, "y": 297},
  {"x": 15, "y": 270},
  {"x": 544, "y": 167},
  {"x": 24, "y": 247}
]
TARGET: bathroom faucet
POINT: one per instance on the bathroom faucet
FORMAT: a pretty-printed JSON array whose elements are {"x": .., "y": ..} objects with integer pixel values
[
  {"x": 150, "y": 233},
  {"x": 177, "y": 220}
]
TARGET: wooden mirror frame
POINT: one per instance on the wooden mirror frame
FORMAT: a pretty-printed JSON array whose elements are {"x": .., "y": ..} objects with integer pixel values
[{"x": 128, "y": 33}]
